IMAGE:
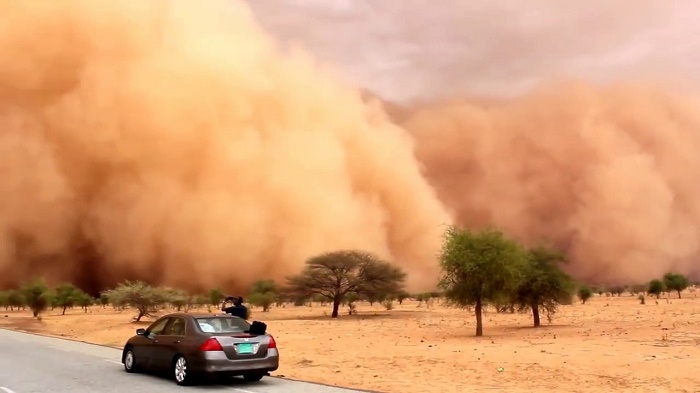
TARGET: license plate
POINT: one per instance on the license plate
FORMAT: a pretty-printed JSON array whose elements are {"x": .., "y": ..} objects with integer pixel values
[{"x": 245, "y": 348}]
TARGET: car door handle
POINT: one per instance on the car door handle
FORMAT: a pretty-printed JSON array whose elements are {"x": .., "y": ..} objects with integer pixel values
[
  {"x": 155, "y": 341},
  {"x": 177, "y": 341}
]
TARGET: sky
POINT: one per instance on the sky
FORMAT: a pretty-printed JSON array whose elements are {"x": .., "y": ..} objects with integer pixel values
[{"x": 413, "y": 49}]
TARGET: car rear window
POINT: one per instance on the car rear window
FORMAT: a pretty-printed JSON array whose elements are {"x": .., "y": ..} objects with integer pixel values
[{"x": 222, "y": 325}]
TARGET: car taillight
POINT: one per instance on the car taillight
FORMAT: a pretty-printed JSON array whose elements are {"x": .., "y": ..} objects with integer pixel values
[
  {"x": 272, "y": 343},
  {"x": 211, "y": 344}
]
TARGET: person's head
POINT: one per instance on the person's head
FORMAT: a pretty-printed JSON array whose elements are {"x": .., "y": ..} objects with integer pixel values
[{"x": 238, "y": 301}]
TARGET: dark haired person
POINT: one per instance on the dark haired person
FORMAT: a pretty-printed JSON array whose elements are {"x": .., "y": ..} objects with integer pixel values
[{"x": 237, "y": 310}]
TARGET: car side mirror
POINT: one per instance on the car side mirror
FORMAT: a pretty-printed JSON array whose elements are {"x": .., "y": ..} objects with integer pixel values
[{"x": 141, "y": 331}]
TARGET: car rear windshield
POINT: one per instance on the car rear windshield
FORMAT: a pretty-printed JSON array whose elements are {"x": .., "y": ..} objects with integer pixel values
[{"x": 222, "y": 325}]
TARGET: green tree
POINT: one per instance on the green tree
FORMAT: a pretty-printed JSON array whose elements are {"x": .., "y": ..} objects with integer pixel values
[
  {"x": 656, "y": 288},
  {"x": 216, "y": 296},
  {"x": 104, "y": 300},
  {"x": 145, "y": 299},
  {"x": 336, "y": 274},
  {"x": 676, "y": 282},
  {"x": 177, "y": 297},
  {"x": 263, "y": 293},
  {"x": 584, "y": 293},
  {"x": 544, "y": 285},
  {"x": 66, "y": 296},
  {"x": 479, "y": 267},
  {"x": 15, "y": 299},
  {"x": 84, "y": 301},
  {"x": 401, "y": 296},
  {"x": 36, "y": 296}
]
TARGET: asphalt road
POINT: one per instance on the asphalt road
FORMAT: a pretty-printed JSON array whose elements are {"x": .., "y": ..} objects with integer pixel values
[{"x": 38, "y": 364}]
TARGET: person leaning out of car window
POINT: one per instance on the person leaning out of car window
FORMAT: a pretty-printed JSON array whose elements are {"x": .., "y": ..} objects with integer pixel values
[{"x": 237, "y": 310}]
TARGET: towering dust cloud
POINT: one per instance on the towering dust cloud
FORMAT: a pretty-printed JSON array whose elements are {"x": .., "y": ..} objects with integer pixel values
[
  {"x": 610, "y": 175},
  {"x": 172, "y": 142}
]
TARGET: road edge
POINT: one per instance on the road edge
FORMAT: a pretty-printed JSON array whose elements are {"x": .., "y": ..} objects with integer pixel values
[{"x": 120, "y": 348}]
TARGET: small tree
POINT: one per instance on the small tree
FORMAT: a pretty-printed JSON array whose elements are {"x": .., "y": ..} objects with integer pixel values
[
  {"x": 15, "y": 299},
  {"x": 544, "y": 285},
  {"x": 84, "y": 301},
  {"x": 656, "y": 288},
  {"x": 145, "y": 299},
  {"x": 104, "y": 300},
  {"x": 584, "y": 293},
  {"x": 479, "y": 267},
  {"x": 36, "y": 296},
  {"x": 676, "y": 282},
  {"x": 335, "y": 274},
  {"x": 216, "y": 296},
  {"x": 178, "y": 298},
  {"x": 617, "y": 290},
  {"x": 263, "y": 293},
  {"x": 401, "y": 296},
  {"x": 66, "y": 296}
]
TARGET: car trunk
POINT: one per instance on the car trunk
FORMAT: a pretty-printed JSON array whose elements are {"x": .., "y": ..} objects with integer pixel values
[{"x": 238, "y": 346}]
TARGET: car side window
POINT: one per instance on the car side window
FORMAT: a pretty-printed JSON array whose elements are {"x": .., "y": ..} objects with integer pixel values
[
  {"x": 176, "y": 327},
  {"x": 158, "y": 326}
]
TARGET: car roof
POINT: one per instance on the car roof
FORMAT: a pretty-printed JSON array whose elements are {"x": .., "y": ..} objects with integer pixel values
[{"x": 200, "y": 315}]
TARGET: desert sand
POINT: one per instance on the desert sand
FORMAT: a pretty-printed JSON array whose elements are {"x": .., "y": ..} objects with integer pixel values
[{"x": 608, "y": 344}]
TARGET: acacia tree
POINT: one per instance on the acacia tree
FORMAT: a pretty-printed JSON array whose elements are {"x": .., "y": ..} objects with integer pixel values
[
  {"x": 145, "y": 299},
  {"x": 544, "y": 285},
  {"x": 478, "y": 268},
  {"x": 675, "y": 282},
  {"x": 336, "y": 274},
  {"x": 66, "y": 296}
]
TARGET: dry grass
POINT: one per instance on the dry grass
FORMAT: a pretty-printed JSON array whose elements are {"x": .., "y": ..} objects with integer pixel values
[{"x": 608, "y": 344}]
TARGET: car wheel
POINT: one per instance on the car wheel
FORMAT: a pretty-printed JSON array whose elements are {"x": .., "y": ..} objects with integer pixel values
[
  {"x": 253, "y": 377},
  {"x": 130, "y": 361},
  {"x": 180, "y": 372}
]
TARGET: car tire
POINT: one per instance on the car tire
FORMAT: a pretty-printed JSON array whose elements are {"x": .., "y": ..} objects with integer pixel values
[
  {"x": 130, "y": 361},
  {"x": 181, "y": 374},
  {"x": 253, "y": 377}
]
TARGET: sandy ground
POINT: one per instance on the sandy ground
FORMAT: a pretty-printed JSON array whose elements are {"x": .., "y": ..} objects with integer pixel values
[{"x": 607, "y": 344}]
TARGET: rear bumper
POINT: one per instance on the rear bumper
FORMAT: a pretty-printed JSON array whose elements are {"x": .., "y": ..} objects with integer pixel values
[{"x": 217, "y": 362}]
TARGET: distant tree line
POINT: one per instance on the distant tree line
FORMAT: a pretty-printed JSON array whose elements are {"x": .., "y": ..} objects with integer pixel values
[{"x": 480, "y": 269}]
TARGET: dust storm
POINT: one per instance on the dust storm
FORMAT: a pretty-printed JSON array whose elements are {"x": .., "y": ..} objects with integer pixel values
[
  {"x": 172, "y": 142},
  {"x": 610, "y": 175},
  {"x": 176, "y": 142}
]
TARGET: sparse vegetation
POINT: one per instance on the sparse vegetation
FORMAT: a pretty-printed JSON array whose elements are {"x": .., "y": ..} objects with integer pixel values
[{"x": 479, "y": 269}]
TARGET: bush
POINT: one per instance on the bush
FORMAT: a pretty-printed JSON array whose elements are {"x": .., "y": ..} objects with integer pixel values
[
  {"x": 584, "y": 293},
  {"x": 264, "y": 293},
  {"x": 36, "y": 296}
]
